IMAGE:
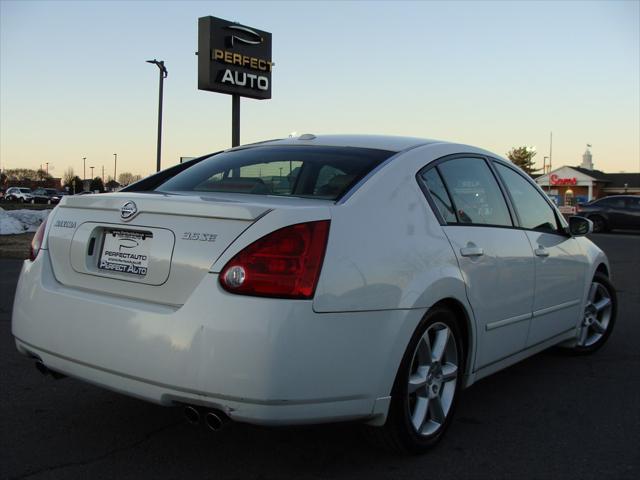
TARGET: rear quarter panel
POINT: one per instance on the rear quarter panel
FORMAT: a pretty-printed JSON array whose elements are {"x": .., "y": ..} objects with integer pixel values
[{"x": 386, "y": 249}]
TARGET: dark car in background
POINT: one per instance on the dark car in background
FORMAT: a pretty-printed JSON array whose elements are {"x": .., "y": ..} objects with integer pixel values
[
  {"x": 618, "y": 211},
  {"x": 45, "y": 195}
]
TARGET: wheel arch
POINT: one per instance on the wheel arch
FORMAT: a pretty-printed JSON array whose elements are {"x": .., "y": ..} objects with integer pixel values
[
  {"x": 464, "y": 315},
  {"x": 603, "y": 269},
  {"x": 602, "y": 215}
]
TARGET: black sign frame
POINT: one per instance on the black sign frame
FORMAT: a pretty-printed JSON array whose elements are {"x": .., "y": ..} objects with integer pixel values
[{"x": 234, "y": 59}]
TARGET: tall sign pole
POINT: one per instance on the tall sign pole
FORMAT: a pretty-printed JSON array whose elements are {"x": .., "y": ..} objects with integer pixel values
[
  {"x": 235, "y": 120},
  {"x": 236, "y": 60}
]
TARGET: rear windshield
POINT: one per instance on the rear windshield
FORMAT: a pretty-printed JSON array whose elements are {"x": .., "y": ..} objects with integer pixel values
[{"x": 296, "y": 171}]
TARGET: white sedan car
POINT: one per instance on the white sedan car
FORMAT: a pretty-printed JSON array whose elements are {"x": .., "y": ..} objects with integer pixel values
[{"x": 313, "y": 279}]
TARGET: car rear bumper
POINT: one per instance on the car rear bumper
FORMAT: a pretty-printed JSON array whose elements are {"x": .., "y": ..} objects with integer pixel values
[{"x": 259, "y": 360}]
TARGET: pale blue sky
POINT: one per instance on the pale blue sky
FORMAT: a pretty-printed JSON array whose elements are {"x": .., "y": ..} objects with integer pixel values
[{"x": 74, "y": 82}]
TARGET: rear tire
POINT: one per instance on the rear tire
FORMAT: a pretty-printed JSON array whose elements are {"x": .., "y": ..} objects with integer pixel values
[{"x": 426, "y": 387}]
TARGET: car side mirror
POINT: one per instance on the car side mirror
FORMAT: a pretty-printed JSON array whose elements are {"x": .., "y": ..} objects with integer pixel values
[{"x": 579, "y": 226}]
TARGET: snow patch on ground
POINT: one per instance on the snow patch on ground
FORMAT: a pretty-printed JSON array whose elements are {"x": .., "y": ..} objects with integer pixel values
[{"x": 13, "y": 222}]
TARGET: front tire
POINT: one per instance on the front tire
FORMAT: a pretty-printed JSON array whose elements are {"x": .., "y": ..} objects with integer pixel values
[
  {"x": 426, "y": 387},
  {"x": 599, "y": 224},
  {"x": 599, "y": 316}
]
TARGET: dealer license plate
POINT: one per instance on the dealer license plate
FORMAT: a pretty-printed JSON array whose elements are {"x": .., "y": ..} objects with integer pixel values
[{"x": 125, "y": 251}]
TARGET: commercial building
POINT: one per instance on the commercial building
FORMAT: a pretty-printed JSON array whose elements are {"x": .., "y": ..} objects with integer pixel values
[{"x": 570, "y": 185}]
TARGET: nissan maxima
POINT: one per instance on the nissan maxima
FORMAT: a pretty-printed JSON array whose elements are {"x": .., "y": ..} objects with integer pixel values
[{"x": 313, "y": 279}]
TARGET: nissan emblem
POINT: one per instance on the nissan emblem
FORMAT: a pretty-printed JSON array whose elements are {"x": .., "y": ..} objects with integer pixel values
[{"x": 128, "y": 211}]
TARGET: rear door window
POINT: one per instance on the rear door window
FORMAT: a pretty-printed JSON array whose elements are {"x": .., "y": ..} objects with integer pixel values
[{"x": 475, "y": 193}]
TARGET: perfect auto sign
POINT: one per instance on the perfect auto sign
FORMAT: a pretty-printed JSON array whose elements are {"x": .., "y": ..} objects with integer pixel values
[{"x": 234, "y": 59}]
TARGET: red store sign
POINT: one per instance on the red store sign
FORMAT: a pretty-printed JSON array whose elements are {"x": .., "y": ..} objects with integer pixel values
[{"x": 556, "y": 180}]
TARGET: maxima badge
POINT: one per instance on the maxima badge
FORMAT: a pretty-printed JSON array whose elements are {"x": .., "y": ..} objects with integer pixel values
[{"x": 128, "y": 211}]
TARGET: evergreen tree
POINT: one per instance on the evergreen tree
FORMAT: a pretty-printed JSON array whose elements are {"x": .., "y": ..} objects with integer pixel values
[{"x": 523, "y": 158}]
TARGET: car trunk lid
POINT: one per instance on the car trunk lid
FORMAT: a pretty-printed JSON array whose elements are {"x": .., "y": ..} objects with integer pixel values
[{"x": 152, "y": 247}]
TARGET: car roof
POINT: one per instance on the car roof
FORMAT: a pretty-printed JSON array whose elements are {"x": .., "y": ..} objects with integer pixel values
[
  {"x": 615, "y": 196},
  {"x": 380, "y": 142}
]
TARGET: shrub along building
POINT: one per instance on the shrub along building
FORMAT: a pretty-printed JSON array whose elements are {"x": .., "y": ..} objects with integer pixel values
[{"x": 568, "y": 186}]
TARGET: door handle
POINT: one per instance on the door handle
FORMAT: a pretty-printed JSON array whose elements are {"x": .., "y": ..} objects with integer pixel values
[
  {"x": 471, "y": 252},
  {"x": 541, "y": 252}
]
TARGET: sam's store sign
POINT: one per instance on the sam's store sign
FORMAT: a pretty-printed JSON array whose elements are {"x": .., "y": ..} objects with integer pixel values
[
  {"x": 556, "y": 180},
  {"x": 234, "y": 59}
]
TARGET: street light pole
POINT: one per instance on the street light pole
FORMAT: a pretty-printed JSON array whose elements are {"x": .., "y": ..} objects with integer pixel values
[
  {"x": 84, "y": 168},
  {"x": 545, "y": 171},
  {"x": 91, "y": 172},
  {"x": 163, "y": 75},
  {"x": 115, "y": 166}
]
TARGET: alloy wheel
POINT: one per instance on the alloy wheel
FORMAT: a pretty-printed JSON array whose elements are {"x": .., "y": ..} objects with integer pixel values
[
  {"x": 432, "y": 380},
  {"x": 598, "y": 223},
  {"x": 597, "y": 315}
]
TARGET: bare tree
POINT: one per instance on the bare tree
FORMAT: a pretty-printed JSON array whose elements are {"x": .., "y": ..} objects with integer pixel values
[
  {"x": 68, "y": 176},
  {"x": 126, "y": 178}
]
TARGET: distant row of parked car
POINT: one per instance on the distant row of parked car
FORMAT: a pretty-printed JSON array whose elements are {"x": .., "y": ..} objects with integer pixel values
[{"x": 49, "y": 196}]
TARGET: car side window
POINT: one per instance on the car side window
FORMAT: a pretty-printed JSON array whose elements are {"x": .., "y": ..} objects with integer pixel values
[
  {"x": 633, "y": 203},
  {"x": 476, "y": 196},
  {"x": 433, "y": 182},
  {"x": 534, "y": 212},
  {"x": 616, "y": 202},
  {"x": 611, "y": 202}
]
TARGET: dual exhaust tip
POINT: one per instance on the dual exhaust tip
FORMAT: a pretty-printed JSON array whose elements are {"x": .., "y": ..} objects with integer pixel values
[
  {"x": 44, "y": 370},
  {"x": 215, "y": 420}
]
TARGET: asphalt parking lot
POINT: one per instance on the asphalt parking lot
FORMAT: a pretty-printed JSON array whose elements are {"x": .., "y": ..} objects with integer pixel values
[{"x": 551, "y": 416}]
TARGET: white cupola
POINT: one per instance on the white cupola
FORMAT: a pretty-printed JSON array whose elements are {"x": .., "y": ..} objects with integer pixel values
[{"x": 587, "y": 159}]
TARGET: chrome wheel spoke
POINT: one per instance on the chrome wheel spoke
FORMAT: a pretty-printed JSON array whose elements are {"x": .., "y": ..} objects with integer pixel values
[
  {"x": 424, "y": 351},
  {"x": 449, "y": 372},
  {"x": 583, "y": 335},
  {"x": 439, "y": 344},
  {"x": 602, "y": 304},
  {"x": 598, "y": 327},
  {"x": 419, "y": 413},
  {"x": 436, "y": 410},
  {"x": 592, "y": 292},
  {"x": 418, "y": 380}
]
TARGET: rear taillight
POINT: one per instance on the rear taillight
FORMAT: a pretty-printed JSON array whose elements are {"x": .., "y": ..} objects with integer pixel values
[
  {"x": 283, "y": 264},
  {"x": 36, "y": 243}
]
